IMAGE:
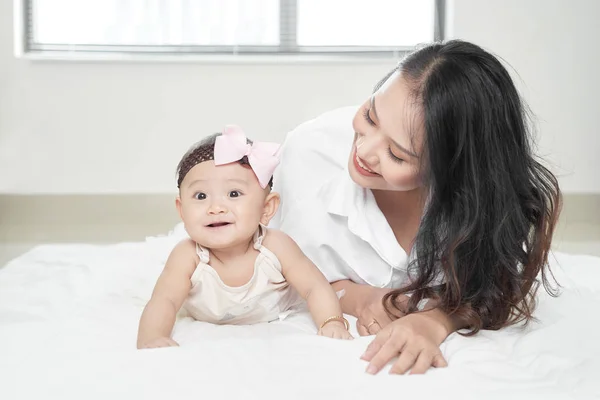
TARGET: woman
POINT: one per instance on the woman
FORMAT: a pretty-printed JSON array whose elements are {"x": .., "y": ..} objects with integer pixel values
[{"x": 440, "y": 219}]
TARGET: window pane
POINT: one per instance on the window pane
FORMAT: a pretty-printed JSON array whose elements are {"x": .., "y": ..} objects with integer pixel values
[
  {"x": 365, "y": 23},
  {"x": 156, "y": 22}
]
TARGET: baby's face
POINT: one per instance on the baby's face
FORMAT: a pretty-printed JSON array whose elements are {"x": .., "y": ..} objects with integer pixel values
[{"x": 221, "y": 206}]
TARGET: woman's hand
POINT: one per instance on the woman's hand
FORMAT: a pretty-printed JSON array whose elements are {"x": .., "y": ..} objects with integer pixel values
[
  {"x": 415, "y": 338},
  {"x": 371, "y": 315}
]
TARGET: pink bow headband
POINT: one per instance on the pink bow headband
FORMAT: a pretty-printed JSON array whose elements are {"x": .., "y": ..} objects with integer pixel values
[{"x": 233, "y": 145}]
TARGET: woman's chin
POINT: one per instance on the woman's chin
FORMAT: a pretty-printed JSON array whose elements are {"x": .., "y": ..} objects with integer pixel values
[{"x": 366, "y": 182}]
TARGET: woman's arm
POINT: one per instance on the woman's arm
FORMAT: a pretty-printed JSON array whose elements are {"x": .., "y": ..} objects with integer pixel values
[
  {"x": 171, "y": 289},
  {"x": 350, "y": 297},
  {"x": 365, "y": 302},
  {"x": 448, "y": 323},
  {"x": 357, "y": 298}
]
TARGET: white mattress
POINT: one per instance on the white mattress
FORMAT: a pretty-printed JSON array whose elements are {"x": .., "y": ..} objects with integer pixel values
[{"x": 68, "y": 325}]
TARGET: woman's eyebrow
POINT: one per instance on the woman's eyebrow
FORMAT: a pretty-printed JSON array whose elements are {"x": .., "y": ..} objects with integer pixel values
[
  {"x": 404, "y": 149},
  {"x": 398, "y": 145}
]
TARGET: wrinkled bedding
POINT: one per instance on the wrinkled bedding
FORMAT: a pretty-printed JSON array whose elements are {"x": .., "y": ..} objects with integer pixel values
[{"x": 68, "y": 325}]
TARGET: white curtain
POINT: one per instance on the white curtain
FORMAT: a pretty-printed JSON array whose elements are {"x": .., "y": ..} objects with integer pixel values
[
  {"x": 365, "y": 22},
  {"x": 156, "y": 22},
  {"x": 232, "y": 22}
]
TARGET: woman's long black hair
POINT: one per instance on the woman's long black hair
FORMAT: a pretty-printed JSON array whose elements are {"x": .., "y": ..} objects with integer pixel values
[{"x": 492, "y": 207}]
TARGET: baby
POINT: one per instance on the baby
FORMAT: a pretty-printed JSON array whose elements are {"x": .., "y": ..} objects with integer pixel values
[{"x": 232, "y": 269}]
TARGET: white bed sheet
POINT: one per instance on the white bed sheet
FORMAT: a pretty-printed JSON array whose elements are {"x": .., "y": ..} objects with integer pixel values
[{"x": 68, "y": 325}]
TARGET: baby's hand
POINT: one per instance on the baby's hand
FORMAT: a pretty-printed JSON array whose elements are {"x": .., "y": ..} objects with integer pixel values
[
  {"x": 336, "y": 330},
  {"x": 159, "y": 342}
]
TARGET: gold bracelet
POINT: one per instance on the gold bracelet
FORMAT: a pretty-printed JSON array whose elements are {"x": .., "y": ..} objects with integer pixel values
[{"x": 336, "y": 318}]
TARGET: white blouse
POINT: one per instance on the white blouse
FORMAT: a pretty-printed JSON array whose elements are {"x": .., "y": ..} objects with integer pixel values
[{"x": 335, "y": 222}]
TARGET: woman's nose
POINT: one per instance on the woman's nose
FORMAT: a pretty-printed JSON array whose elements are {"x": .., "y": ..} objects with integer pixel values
[{"x": 367, "y": 147}]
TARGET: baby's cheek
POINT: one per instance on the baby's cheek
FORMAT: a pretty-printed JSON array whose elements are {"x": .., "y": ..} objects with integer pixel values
[
  {"x": 246, "y": 216},
  {"x": 191, "y": 231}
]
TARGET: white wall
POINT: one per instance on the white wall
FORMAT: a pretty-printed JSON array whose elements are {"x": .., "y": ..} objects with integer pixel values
[
  {"x": 91, "y": 127},
  {"x": 554, "y": 47}
]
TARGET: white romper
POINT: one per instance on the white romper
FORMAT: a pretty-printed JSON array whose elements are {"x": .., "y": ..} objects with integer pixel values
[{"x": 264, "y": 298}]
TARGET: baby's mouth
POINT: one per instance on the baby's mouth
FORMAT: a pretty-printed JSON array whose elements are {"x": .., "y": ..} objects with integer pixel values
[{"x": 218, "y": 224}]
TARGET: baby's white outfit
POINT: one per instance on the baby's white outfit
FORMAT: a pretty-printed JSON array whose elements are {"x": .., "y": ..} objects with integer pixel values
[{"x": 264, "y": 298}]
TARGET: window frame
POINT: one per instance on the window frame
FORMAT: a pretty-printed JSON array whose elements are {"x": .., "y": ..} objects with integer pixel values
[{"x": 287, "y": 49}]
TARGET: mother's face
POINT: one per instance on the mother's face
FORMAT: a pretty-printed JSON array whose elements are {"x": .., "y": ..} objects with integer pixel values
[{"x": 387, "y": 144}]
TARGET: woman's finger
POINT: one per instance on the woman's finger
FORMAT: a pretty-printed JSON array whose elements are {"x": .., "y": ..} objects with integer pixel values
[
  {"x": 423, "y": 363},
  {"x": 387, "y": 352},
  {"x": 439, "y": 361},
  {"x": 406, "y": 360},
  {"x": 374, "y": 327},
  {"x": 362, "y": 330},
  {"x": 375, "y": 345}
]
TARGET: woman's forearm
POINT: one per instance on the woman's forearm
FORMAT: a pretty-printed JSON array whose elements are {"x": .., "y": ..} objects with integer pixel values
[
  {"x": 350, "y": 298},
  {"x": 448, "y": 323},
  {"x": 353, "y": 299}
]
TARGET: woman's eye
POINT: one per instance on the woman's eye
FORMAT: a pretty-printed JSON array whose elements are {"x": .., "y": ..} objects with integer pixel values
[
  {"x": 368, "y": 117},
  {"x": 200, "y": 196},
  {"x": 234, "y": 193},
  {"x": 395, "y": 157}
]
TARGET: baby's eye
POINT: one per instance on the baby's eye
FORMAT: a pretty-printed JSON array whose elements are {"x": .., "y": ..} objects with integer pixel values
[
  {"x": 200, "y": 196},
  {"x": 234, "y": 194}
]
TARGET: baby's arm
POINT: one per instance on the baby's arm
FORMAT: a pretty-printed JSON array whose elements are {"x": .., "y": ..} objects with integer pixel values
[
  {"x": 170, "y": 292},
  {"x": 310, "y": 283}
]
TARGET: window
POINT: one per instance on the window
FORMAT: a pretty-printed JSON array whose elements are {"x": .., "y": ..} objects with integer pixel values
[{"x": 226, "y": 27}]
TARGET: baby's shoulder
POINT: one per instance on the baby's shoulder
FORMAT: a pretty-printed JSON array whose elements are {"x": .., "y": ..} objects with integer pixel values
[
  {"x": 271, "y": 235},
  {"x": 186, "y": 245},
  {"x": 184, "y": 252},
  {"x": 278, "y": 242}
]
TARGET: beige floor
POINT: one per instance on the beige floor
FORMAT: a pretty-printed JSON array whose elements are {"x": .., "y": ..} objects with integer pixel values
[
  {"x": 26, "y": 221},
  {"x": 577, "y": 239},
  {"x": 30, "y": 236}
]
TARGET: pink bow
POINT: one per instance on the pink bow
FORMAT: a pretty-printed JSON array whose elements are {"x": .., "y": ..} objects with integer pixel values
[{"x": 232, "y": 146}]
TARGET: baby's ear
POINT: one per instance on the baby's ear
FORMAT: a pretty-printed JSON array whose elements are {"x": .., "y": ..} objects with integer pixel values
[
  {"x": 178, "y": 206},
  {"x": 270, "y": 208}
]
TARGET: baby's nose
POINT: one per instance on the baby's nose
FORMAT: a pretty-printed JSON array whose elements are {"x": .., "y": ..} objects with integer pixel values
[{"x": 217, "y": 208}]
